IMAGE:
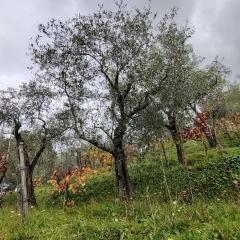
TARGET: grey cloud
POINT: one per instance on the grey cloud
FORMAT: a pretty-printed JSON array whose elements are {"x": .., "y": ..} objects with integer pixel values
[
  {"x": 216, "y": 31},
  {"x": 216, "y": 23},
  {"x": 18, "y": 23},
  {"x": 226, "y": 30}
]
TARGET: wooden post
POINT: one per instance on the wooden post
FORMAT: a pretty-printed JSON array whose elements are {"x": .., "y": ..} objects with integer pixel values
[{"x": 23, "y": 173}]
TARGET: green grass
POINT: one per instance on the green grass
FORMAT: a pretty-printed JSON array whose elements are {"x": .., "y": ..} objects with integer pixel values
[
  {"x": 146, "y": 218},
  {"x": 204, "y": 203}
]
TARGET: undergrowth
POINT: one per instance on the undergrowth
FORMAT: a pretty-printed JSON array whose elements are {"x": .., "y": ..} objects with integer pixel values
[{"x": 200, "y": 201}]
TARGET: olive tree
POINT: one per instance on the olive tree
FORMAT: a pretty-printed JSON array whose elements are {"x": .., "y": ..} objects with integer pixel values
[
  {"x": 26, "y": 110},
  {"x": 189, "y": 82},
  {"x": 105, "y": 69}
]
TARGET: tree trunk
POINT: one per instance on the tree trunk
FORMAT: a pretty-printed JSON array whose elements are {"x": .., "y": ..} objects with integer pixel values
[
  {"x": 211, "y": 137},
  {"x": 122, "y": 177},
  {"x": 177, "y": 139},
  {"x": 180, "y": 151},
  {"x": 179, "y": 147},
  {"x": 79, "y": 161},
  {"x": 3, "y": 176},
  {"x": 29, "y": 166},
  {"x": 30, "y": 188},
  {"x": 65, "y": 196},
  {"x": 164, "y": 152}
]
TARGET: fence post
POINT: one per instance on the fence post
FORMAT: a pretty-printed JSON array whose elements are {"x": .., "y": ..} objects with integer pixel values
[{"x": 23, "y": 173}]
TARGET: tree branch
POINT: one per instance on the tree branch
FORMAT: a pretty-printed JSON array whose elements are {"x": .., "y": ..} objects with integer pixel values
[
  {"x": 127, "y": 90},
  {"x": 81, "y": 135},
  {"x": 38, "y": 154},
  {"x": 101, "y": 128},
  {"x": 144, "y": 102},
  {"x": 42, "y": 147},
  {"x": 97, "y": 144},
  {"x": 141, "y": 106}
]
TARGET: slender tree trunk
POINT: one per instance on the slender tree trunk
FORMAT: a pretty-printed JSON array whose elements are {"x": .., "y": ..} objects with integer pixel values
[
  {"x": 164, "y": 152},
  {"x": 66, "y": 195},
  {"x": 177, "y": 139},
  {"x": 29, "y": 166},
  {"x": 79, "y": 161},
  {"x": 30, "y": 188},
  {"x": 211, "y": 137},
  {"x": 122, "y": 177},
  {"x": 3, "y": 176}
]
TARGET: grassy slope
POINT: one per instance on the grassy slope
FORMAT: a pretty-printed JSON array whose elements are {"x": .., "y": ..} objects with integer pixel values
[{"x": 202, "y": 204}]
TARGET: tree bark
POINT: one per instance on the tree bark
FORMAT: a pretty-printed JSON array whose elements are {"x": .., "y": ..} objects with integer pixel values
[
  {"x": 29, "y": 166},
  {"x": 3, "y": 176},
  {"x": 123, "y": 180},
  {"x": 164, "y": 152},
  {"x": 177, "y": 139},
  {"x": 122, "y": 177},
  {"x": 79, "y": 159},
  {"x": 30, "y": 187},
  {"x": 180, "y": 151},
  {"x": 211, "y": 137}
]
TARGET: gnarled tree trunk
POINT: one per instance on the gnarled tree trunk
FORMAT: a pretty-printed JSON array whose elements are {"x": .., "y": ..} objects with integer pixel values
[
  {"x": 176, "y": 138},
  {"x": 122, "y": 177},
  {"x": 179, "y": 147},
  {"x": 29, "y": 172},
  {"x": 30, "y": 188},
  {"x": 30, "y": 165}
]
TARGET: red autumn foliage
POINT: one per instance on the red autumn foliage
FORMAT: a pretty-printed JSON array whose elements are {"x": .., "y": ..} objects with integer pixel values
[
  {"x": 72, "y": 180},
  {"x": 201, "y": 128}
]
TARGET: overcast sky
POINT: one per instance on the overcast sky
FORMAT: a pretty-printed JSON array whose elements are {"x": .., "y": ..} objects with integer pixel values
[{"x": 216, "y": 22}]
